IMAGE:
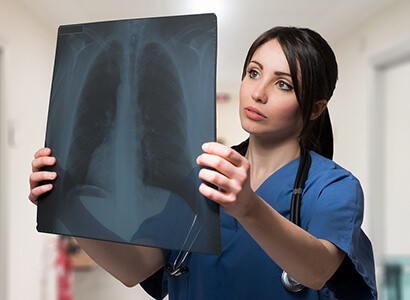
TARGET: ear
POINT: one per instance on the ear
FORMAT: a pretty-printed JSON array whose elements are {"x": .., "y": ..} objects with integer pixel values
[{"x": 318, "y": 108}]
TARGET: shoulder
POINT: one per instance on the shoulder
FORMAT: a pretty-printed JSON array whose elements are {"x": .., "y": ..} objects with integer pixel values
[
  {"x": 327, "y": 172},
  {"x": 334, "y": 189}
]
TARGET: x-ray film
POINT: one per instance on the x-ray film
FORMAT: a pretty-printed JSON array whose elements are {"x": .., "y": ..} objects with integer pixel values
[{"x": 131, "y": 103}]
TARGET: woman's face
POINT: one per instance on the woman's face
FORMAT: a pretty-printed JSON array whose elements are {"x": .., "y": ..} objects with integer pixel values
[{"x": 268, "y": 104}]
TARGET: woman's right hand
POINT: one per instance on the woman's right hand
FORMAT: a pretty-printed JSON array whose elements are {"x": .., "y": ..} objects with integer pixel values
[{"x": 42, "y": 158}]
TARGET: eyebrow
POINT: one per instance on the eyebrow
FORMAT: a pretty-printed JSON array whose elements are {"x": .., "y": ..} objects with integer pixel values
[{"x": 277, "y": 73}]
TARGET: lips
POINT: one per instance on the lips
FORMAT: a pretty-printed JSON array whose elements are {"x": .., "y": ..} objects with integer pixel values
[{"x": 254, "y": 114}]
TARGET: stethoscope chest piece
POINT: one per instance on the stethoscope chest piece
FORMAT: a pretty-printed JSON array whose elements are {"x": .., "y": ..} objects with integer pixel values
[{"x": 291, "y": 284}]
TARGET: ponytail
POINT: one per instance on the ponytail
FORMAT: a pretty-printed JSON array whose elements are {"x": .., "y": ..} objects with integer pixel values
[{"x": 319, "y": 137}]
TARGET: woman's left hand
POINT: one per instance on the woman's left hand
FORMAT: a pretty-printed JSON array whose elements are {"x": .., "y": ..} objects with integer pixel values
[{"x": 230, "y": 173}]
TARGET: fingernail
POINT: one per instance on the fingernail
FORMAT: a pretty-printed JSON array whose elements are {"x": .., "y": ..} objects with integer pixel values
[{"x": 205, "y": 146}]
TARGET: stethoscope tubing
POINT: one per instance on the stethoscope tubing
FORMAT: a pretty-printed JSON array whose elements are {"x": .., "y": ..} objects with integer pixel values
[{"x": 289, "y": 282}]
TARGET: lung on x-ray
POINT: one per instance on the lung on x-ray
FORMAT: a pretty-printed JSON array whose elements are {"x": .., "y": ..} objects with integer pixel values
[{"x": 131, "y": 103}]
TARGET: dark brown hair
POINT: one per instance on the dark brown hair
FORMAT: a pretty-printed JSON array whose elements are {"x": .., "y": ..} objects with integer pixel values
[{"x": 313, "y": 69}]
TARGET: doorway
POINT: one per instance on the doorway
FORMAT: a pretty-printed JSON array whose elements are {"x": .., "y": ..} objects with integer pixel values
[
  {"x": 389, "y": 179},
  {"x": 396, "y": 107}
]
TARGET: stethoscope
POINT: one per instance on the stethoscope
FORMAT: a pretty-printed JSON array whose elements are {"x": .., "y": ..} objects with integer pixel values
[
  {"x": 305, "y": 161},
  {"x": 179, "y": 267}
]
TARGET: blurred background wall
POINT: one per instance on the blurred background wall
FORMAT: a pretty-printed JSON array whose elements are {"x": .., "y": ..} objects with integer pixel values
[{"x": 370, "y": 117}]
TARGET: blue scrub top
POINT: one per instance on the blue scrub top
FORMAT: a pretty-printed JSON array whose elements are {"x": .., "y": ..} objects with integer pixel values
[{"x": 332, "y": 209}]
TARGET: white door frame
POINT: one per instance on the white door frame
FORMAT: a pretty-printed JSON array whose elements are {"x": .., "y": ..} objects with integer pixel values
[
  {"x": 3, "y": 201},
  {"x": 377, "y": 146}
]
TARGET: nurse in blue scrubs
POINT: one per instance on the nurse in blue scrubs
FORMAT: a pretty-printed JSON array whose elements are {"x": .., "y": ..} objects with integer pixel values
[{"x": 288, "y": 78}]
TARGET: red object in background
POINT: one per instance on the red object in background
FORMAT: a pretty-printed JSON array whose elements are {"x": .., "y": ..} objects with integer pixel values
[
  {"x": 223, "y": 97},
  {"x": 64, "y": 271}
]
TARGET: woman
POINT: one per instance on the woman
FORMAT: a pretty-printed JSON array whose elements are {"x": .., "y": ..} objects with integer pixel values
[{"x": 288, "y": 78}]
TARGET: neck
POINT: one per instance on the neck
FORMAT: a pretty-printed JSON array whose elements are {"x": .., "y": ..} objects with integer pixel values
[{"x": 266, "y": 157}]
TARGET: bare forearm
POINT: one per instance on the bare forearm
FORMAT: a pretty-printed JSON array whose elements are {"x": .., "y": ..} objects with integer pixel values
[
  {"x": 128, "y": 263},
  {"x": 309, "y": 260}
]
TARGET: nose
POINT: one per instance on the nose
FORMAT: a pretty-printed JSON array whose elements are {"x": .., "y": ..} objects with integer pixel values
[{"x": 259, "y": 94}]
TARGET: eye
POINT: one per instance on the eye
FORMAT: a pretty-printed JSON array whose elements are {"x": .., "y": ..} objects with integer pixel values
[
  {"x": 284, "y": 85},
  {"x": 253, "y": 73}
]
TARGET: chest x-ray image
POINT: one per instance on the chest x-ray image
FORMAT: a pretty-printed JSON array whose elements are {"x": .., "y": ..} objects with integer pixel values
[{"x": 131, "y": 103}]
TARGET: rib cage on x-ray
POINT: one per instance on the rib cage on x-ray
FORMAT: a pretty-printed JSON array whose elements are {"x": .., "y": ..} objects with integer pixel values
[
  {"x": 97, "y": 118},
  {"x": 131, "y": 103},
  {"x": 165, "y": 156}
]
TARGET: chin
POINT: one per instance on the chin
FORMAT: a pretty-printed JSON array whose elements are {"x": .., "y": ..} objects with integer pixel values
[{"x": 251, "y": 127}]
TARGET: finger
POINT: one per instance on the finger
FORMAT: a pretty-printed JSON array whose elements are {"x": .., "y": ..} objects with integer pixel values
[
  {"x": 43, "y": 161},
  {"x": 37, "y": 177},
  {"x": 43, "y": 152},
  {"x": 219, "y": 196},
  {"x": 224, "y": 151},
  {"x": 238, "y": 174},
  {"x": 38, "y": 191},
  {"x": 217, "y": 163},
  {"x": 216, "y": 179}
]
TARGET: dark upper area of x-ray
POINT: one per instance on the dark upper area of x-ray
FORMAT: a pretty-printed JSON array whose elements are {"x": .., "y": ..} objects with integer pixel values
[{"x": 131, "y": 103}]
